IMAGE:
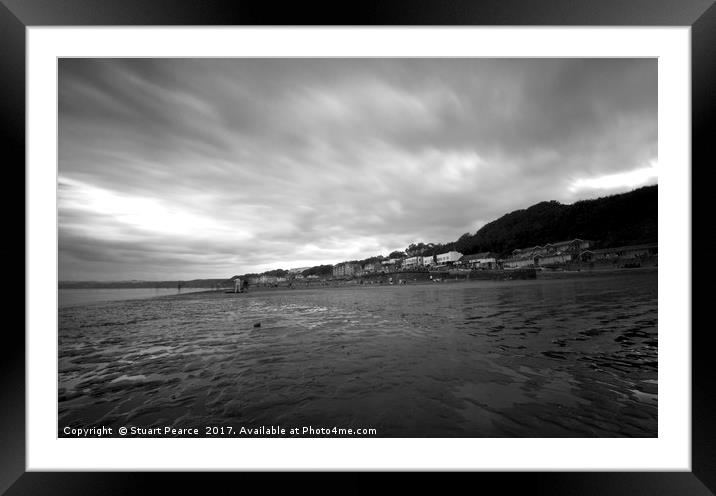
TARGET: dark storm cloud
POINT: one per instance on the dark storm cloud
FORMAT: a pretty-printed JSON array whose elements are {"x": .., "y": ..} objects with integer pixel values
[{"x": 211, "y": 167}]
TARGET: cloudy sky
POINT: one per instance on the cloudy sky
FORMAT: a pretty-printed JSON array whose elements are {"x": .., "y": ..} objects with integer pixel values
[{"x": 196, "y": 168}]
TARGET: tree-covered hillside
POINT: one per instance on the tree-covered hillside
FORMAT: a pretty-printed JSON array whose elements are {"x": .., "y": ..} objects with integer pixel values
[{"x": 624, "y": 219}]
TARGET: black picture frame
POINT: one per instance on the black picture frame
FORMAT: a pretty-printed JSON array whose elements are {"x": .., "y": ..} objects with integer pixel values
[{"x": 17, "y": 15}]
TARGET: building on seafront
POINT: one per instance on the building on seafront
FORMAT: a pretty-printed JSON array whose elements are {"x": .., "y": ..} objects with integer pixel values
[
  {"x": 448, "y": 258},
  {"x": 412, "y": 262},
  {"x": 346, "y": 269},
  {"x": 482, "y": 260}
]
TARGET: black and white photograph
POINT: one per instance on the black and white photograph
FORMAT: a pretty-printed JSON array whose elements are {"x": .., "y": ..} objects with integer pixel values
[{"x": 357, "y": 247}]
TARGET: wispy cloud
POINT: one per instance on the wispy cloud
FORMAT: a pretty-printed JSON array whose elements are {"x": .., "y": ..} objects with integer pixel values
[{"x": 622, "y": 180}]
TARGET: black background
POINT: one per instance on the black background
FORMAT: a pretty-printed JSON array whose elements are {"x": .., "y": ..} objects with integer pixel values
[{"x": 16, "y": 15}]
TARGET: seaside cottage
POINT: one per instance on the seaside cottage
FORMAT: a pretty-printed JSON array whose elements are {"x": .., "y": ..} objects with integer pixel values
[
  {"x": 448, "y": 258},
  {"x": 483, "y": 260},
  {"x": 412, "y": 262}
]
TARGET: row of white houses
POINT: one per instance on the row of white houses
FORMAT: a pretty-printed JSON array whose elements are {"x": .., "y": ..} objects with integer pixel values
[{"x": 349, "y": 269}]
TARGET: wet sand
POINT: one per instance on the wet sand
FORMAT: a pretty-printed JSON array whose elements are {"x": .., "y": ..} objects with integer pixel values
[{"x": 561, "y": 357}]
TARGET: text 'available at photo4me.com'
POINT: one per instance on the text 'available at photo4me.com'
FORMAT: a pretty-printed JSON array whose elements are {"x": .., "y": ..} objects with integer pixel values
[{"x": 219, "y": 431}]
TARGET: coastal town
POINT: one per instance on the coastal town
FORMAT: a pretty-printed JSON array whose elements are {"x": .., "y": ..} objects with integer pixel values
[{"x": 570, "y": 255}]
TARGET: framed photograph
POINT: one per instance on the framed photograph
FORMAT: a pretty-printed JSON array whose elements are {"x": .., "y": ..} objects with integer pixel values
[{"x": 421, "y": 240}]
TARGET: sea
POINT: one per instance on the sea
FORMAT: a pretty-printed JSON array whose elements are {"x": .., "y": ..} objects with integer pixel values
[
  {"x": 81, "y": 296},
  {"x": 568, "y": 356}
]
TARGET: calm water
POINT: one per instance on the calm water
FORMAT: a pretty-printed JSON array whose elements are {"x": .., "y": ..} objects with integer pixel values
[
  {"x": 71, "y": 297},
  {"x": 546, "y": 358}
]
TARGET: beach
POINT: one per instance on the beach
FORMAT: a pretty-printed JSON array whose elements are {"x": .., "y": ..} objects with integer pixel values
[{"x": 563, "y": 356}]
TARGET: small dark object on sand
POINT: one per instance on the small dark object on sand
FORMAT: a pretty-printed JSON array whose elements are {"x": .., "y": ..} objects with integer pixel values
[{"x": 257, "y": 324}]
